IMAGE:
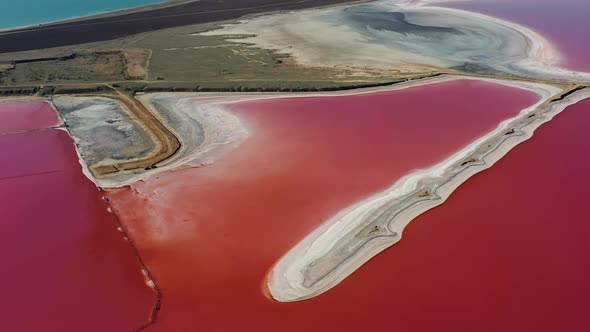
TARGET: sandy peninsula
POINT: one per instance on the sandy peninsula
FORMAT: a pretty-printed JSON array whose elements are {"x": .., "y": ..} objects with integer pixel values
[{"x": 359, "y": 232}]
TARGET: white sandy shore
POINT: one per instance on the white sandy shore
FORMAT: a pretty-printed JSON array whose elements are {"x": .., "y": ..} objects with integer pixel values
[
  {"x": 295, "y": 277},
  {"x": 509, "y": 47},
  {"x": 205, "y": 130}
]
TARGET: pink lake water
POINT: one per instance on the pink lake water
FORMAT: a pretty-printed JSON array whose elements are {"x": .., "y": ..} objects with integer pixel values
[
  {"x": 26, "y": 116},
  {"x": 564, "y": 23},
  {"x": 210, "y": 234},
  {"x": 508, "y": 251},
  {"x": 65, "y": 267}
]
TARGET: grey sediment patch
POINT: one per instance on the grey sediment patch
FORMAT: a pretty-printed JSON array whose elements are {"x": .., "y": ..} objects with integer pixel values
[
  {"x": 119, "y": 146},
  {"x": 356, "y": 234},
  {"x": 103, "y": 132}
]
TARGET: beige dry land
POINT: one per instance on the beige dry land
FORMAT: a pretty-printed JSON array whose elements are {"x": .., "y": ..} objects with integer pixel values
[
  {"x": 136, "y": 61},
  {"x": 181, "y": 59},
  {"x": 6, "y": 67}
]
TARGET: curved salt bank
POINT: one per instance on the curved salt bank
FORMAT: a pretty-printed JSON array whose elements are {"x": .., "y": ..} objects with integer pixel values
[
  {"x": 356, "y": 234},
  {"x": 205, "y": 129},
  {"x": 405, "y": 36}
]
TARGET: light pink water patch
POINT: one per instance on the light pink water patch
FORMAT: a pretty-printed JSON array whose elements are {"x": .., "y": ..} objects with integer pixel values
[{"x": 27, "y": 116}]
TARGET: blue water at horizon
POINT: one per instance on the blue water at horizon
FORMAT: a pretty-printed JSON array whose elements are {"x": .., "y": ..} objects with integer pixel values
[{"x": 18, "y": 13}]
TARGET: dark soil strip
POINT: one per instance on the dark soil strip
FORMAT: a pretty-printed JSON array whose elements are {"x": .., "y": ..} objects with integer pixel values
[{"x": 117, "y": 26}]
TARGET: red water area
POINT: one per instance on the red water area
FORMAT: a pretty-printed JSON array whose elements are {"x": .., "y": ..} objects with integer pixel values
[
  {"x": 65, "y": 267},
  {"x": 508, "y": 251},
  {"x": 210, "y": 234},
  {"x": 564, "y": 23},
  {"x": 26, "y": 116}
]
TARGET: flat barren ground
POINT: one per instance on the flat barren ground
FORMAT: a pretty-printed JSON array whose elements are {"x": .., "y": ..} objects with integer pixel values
[{"x": 177, "y": 59}]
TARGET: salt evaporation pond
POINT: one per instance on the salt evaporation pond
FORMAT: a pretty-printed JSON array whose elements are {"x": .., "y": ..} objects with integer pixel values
[
  {"x": 210, "y": 234},
  {"x": 65, "y": 266},
  {"x": 564, "y": 23},
  {"x": 26, "y": 116}
]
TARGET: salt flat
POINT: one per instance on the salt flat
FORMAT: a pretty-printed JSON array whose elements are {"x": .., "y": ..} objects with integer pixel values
[{"x": 407, "y": 36}]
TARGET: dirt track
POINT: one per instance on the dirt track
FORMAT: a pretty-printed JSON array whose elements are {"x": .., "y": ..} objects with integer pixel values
[
  {"x": 125, "y": 24},
  {"x": 166, "y": 143}
]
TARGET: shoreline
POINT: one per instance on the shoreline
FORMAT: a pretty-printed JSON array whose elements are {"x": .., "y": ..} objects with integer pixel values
[
  {"x": 115, "y": 25},
  {"x": 309, "y": 268},
  {"x": 196, "y": 157},
  {"x": 286, "y": 279},
  {"x": 215, "y": 145},
  {"x": 542, "y": 58},
  {"x": 217, "y": 100}
]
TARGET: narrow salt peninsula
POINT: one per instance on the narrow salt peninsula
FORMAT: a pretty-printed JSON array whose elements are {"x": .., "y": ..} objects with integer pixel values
[
  {"x": 357, "y": 233},
  {"x": 405, "y": 36}
]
